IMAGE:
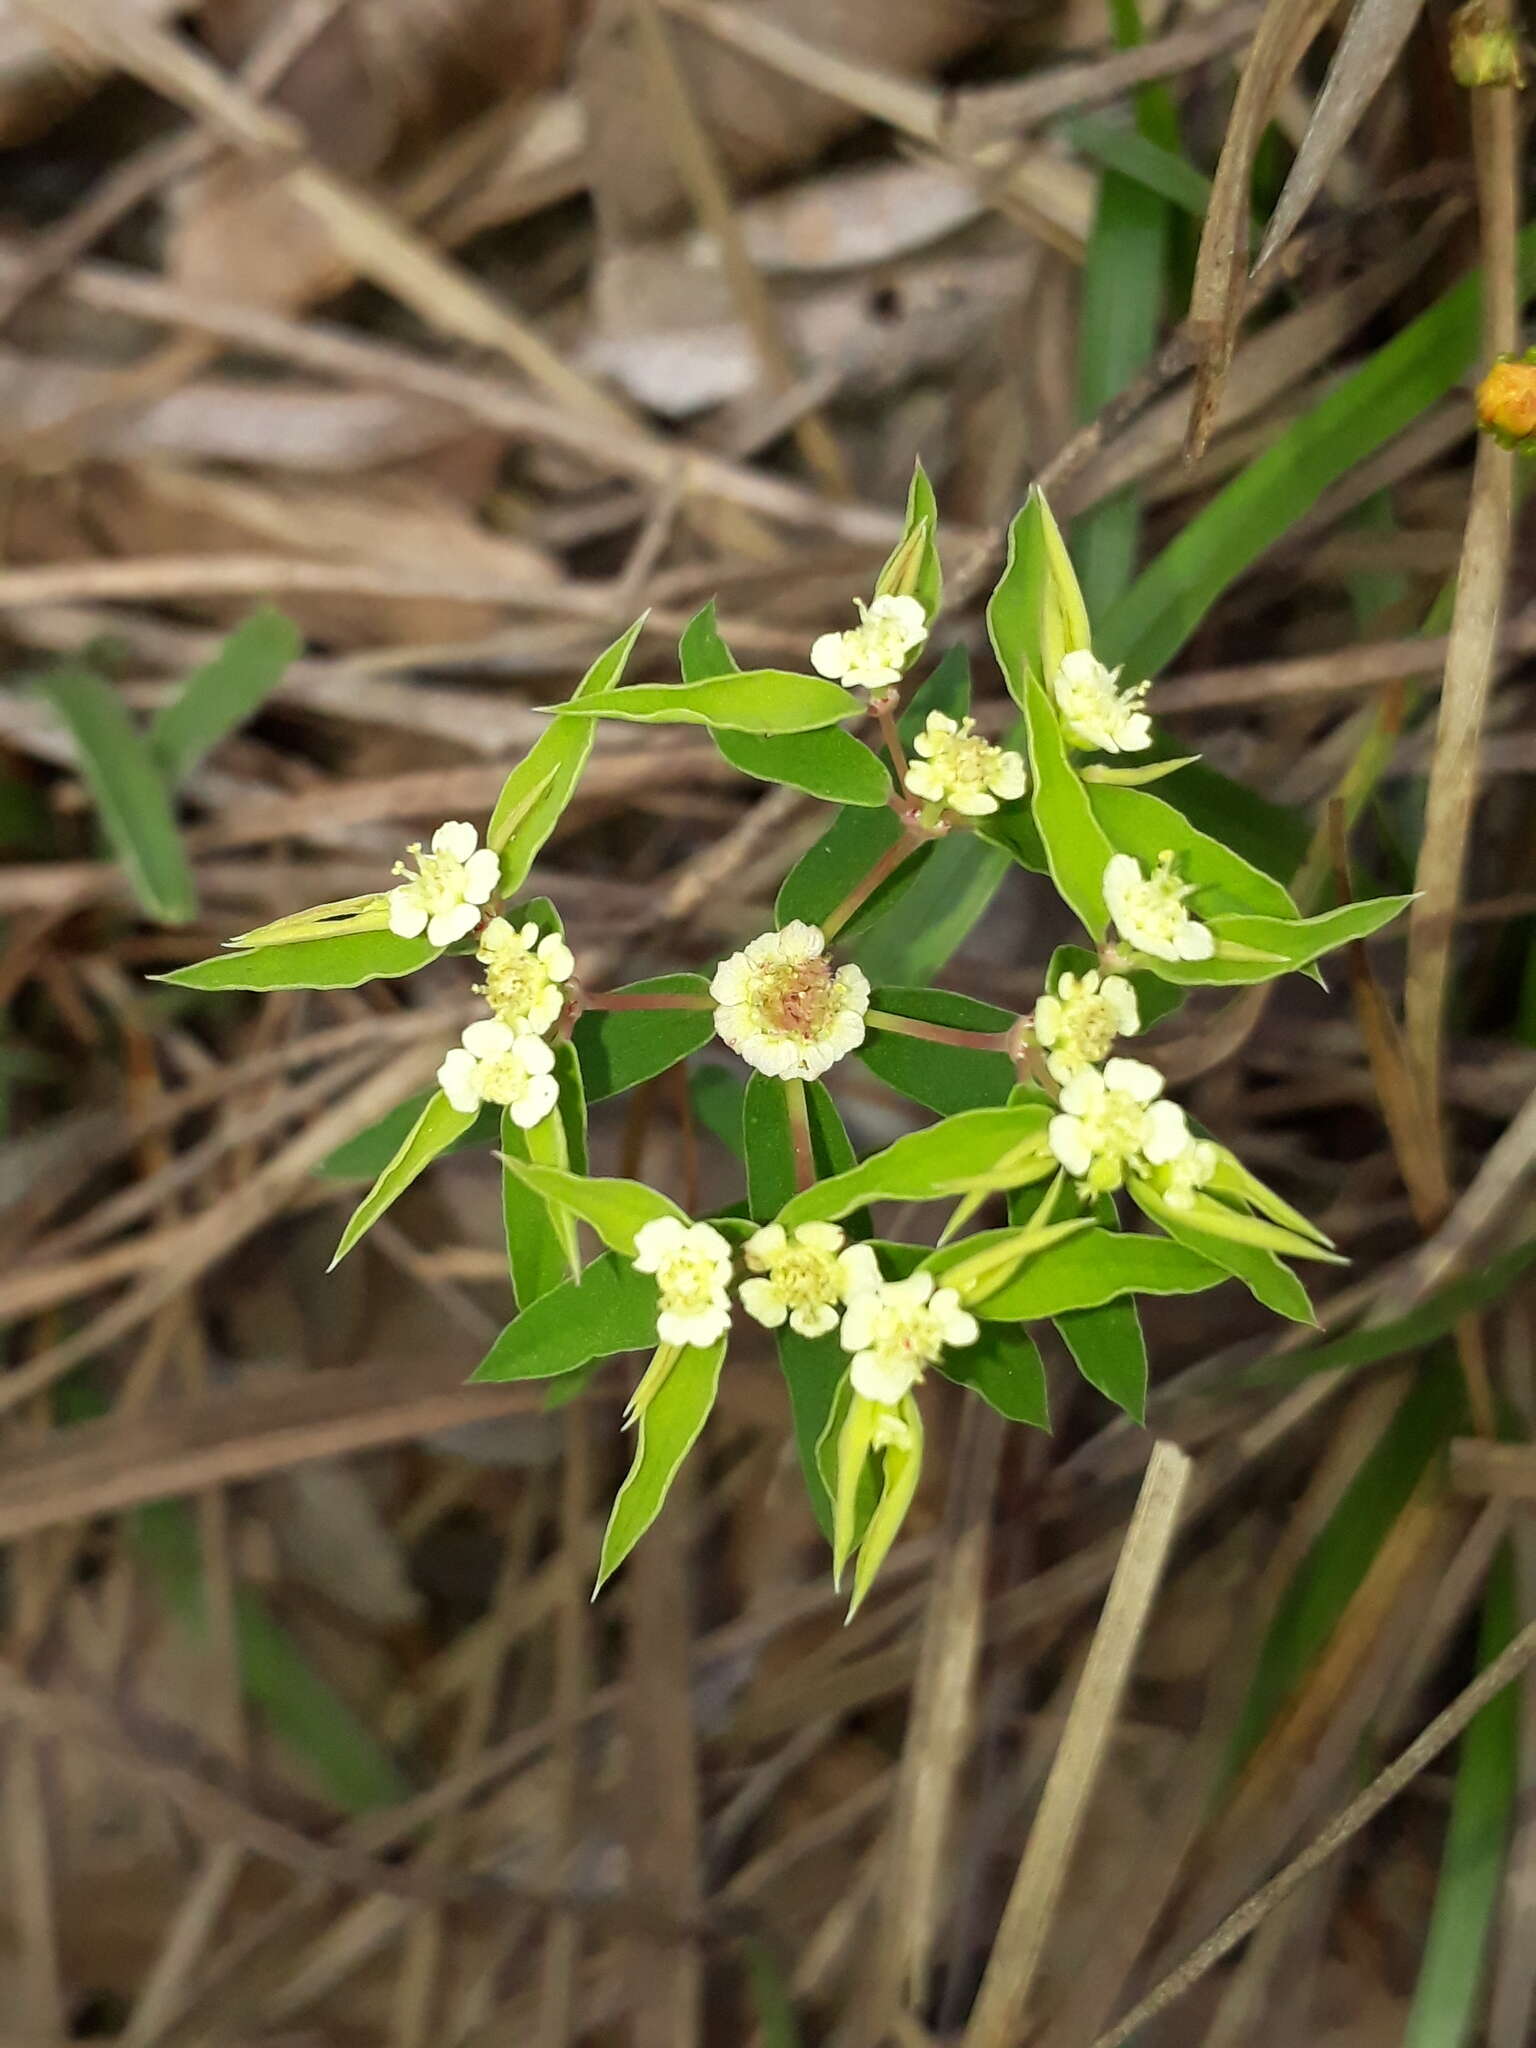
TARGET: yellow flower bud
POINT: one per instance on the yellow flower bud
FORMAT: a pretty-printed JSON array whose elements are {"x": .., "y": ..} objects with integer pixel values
[
  {"x": 1485, "y": 49},
  {"x": 1506, "y": 401}
]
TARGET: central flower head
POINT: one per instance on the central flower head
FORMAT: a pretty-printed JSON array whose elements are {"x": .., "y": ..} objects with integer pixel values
[
  {"x": 781, "y": 1005},
  {"x": 1095, "y": 712},
  {"x": 801, "y": 1277},
  {"x": 874, "y": 654},
  {"x": 443, "y": 897},
  {"x": 494, "y": 1063},
  {"x": 692, "y": 1265},
  {"x": 1112, "y": 1122},
  {"x": 1079, "y": 1023},
  {"x": 1149, "y": 910},
  {"x": 525, "y": 975},
  {"x": 896, "y": 1329},
  {"x": 961, "y": 770}
]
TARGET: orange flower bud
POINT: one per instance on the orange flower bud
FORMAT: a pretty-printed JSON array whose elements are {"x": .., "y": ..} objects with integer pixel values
[{"x": 1506, "y": 401}]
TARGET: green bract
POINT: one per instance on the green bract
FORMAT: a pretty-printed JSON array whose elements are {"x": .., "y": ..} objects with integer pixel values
[{"x": 1051, "y": 1178}]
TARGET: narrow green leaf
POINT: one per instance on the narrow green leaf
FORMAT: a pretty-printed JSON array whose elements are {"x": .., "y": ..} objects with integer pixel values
[
  {"x": 830, "y": 764},
  {"x": 1005, "y": 1368},
  {"x": 618, "y": 1049},
  {"x": 309, "y": 963},
  {"x": 366, "y": 1156},
  {"x": 610, "y": 1308},
  {"x": 768, "y": 1147},
  {"x": 615, "y": 1209},
  {"x": 537, "y": 791},
  {"x": 945, "y": 1078},
  {"x": 718, "y": 1098},
  {"x": 1137, "y": 822},
  {"x": 224, "y": 693},
  {"x": 1036, "y": 614},
  {"x": 856, "y": 838},
  {"x": 1290, "y": 945},
  {"x": 1084, "y": 1271},
  {"x": 432, "y": 1133},
  {"x": 668, "y": 1429},
  {"x": 1110, "y": 1352},
  {"x": 541, "y": 1237},
  {"x": 131, "y": 799},
  {"x": 1137, "y": 160},
  {"x": 947, "y": 1159},
  {"x": 1448, "y": 1996},
  {"x": 912, "y": 567},
  {"x": 1267, "y": 1280},
  {"x": 763, "y": 700},
  {"x": 1076, "y": 846},
  {"x": 813, "y": 1368},
  {"x": 1361, "y": 413}
]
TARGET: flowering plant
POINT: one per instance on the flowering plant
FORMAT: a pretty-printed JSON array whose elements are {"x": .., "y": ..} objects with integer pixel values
[{"x": 1040, "y": 1116}]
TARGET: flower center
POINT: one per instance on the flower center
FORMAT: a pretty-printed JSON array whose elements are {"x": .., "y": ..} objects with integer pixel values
[
  {"x": 514, "y": 980},
  {"x": 803, "y": 1278},
  {"x": 440, "y": 884},
  {"x": 1092, "y": 1029},
  {"x": 798, "y": 1000},
  {"x": 689, "y": 1281},
  {"x": 1113, "y": 1126}
]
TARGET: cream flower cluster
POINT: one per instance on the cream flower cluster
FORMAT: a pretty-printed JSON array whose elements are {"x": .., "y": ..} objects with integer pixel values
[
  {"x": 692, "y": 1265},
  {"x": 962, "y": 771},
  {"x": 1079, "y": 1023},
  {"x": 896, "y": 1329},
  {"x": 1149, "y": 911},
  {"x": 1112, "y": 1122},
  {"x": 1095, "y": 712},
  {"x": 495, "y": 1063},
  {"x": 800, "y": 1276},
  {"x": 874, "y": 654},
  {"x": 525, "y": 975},
  {"x": 444, "y": 896},
  {"x": 783, "y": 1008}
]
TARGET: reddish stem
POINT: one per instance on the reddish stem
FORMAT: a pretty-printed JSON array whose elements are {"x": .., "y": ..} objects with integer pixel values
[{"x": 941, "y": 1034}]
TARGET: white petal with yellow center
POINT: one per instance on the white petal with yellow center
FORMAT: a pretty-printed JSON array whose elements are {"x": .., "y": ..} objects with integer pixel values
[{"x": 781, "y": 1005}]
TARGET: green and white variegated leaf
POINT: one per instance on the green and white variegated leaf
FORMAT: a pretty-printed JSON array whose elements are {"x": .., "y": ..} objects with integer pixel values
[
  {"x": 309, "y": 963},
  {"x": 1136, "y": 822},
  {"x": 542, "y": 1241},
  {"x": 1267, "y": 1280},
  {"x": 541, "y": 785},
  {"x": 1077, "y": 849},
  {"x": 766, "y": 700},
  {"x": 830, "y": 763},
  {"x": 912, "y": 567},
  {"x": 1250, "y": 949},
  {"x": 616, "y": 1209},
  {"x": 611, "y": 1308},
  {"x": 668, "y": 1429},
  {"x": 432, "y": 1133},
  {"x": 1036, "y": 615},
  {"x": 979, "y": 1148},
  {"x": 1084, "y": 1270}
]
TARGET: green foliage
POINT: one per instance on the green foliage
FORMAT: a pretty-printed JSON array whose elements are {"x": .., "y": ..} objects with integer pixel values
[
  {"x": 763, "y": 700},
  {"x": 618, "y": 1049},
  {"x": 438, "y": 1126},
  {"x": 1005, "y": 1369},
  {"x": 616, "y": 1209},
  {"x": 1077, "y": 848},
  {"x": 967, "y": 1151},
  {"x": 226, "y": 691},
  {"x": 1137, "y": 822},
  {"x": 1110, "y": 1352},
  {"x": 943, "y": 1078},
  {"x": 611, "y": 1308},
  {"x": 309, "y": 963},
  {"x": 668, "y": 1429},
  {"x": 131, "y": 797},
  {"x": 366, "y": 1156}
]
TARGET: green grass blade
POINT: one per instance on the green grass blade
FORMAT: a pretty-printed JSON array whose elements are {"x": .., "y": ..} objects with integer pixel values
[
  {"x": 131, "y": 799},
  {"x": 224, "y": 693}
]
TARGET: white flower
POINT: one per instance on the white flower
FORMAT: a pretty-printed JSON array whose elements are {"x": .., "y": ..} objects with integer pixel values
[
  {"x": 780, "y": 1005},
  {"x": 692, "y": 1265},
  {"x": 896, "y": 1329},
  {"x": 961, "y": 771},
  {"x": 1186, "y": 1173},
  {"x": 805, "y": 1276},
  {"x": 873, "y": 654},
  {"x": 1081, "y": 1021},
  {"x": 494, "y": 1063},
  {"x": 1095, "y": 712},
  {"x": 525, "y": 975},
  {"x": 1111, "y": 1123},
  {"x": 443, "y": 898},
  {"x": 1149, "y": 912}
]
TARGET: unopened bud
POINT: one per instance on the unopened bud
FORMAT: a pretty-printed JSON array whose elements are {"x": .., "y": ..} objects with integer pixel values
[
  {"x": 902, "y": 574},
  {"x": 1485, "y": 49},
  {"x": 1506, "y": 402}
]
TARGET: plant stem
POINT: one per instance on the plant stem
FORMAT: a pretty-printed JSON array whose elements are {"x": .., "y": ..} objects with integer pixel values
[
  {"x": 940, "y": 1034},
  {"x": 800, "y": 1134},
  {"x": 618, "y": 1000},
  {"x": 884, "y": 708},
  {"x": 889, "y": 861}
]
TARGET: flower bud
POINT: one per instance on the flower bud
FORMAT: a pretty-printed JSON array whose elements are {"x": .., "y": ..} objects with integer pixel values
[{"x": 1506, "y": 402}]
